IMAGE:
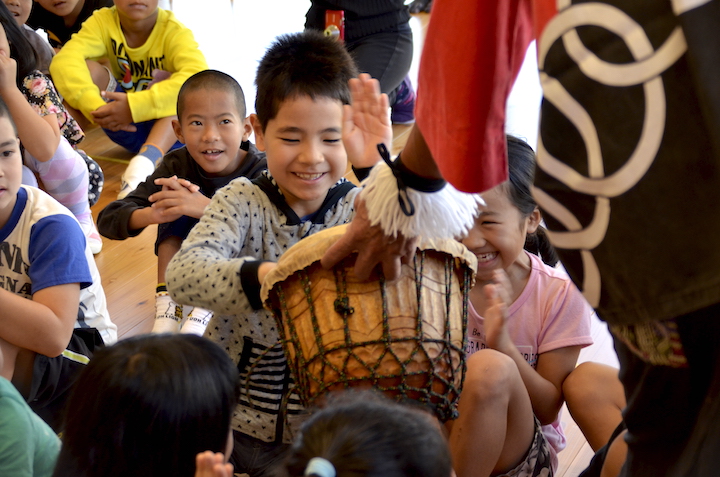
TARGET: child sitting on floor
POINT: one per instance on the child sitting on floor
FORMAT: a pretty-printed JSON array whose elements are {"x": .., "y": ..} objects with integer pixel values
[
  {"x": 526, "y": 325},
  {"x": 46, "y": 130},
  {"x": 147, "y": 406},
  {"x": 53, "y": 306},
  {"x": 212, "y": 124},
  {"x": 151, "y": 55},
  {"x": 302, "y": 85}
]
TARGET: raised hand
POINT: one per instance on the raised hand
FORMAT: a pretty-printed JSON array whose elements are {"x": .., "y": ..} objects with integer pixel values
[{"x": 366, "y": 123}]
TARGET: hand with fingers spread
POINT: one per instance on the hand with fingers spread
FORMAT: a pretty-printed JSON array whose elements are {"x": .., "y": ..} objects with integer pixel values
[
  {"x": 366, "y": 122},
  {"x": 372, "y": 245},
  {"x": 178, "y": 197},
  {"x": 115, "y": 115},
  {"x": 209, "y": 464}
]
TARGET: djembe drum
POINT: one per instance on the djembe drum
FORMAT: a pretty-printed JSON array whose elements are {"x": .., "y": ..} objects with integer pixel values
[{"x": 405, "y": 337}]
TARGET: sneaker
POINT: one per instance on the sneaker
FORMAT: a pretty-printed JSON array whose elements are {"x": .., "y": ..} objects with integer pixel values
[
  {"x": 137, "y": 171},
  {"x": 420, "y": 6},
  {"x": 403, "y": 109},
  {"x": 97, "y": 178}
]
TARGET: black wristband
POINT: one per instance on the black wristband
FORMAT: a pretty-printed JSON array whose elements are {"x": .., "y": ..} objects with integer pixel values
[{"x": 414, "y": 181}]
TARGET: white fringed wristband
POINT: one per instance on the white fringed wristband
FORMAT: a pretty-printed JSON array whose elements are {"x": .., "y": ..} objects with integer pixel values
[{"x": 401, "y": 209}]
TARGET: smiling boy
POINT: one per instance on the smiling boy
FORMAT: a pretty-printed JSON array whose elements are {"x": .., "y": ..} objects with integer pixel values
[
  {"x": 302, "y": 95},
  {"x": 151, "y": 54},
  {"x": 61, "y": 18},
  {"x": 213, "y": 126}
]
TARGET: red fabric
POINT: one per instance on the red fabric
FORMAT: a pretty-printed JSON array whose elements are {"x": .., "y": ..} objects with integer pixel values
[{"x": 472, "y": 54}]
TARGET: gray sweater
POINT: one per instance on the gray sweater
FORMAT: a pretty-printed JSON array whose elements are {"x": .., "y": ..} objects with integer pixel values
[{"x": 246, "y": 223}]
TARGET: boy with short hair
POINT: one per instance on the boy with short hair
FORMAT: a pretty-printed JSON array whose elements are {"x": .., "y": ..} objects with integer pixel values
[
  {"x": 212, "y": 124},
  {"x": 151, "y": 55},
  {"x": 302, "y": 90},
  {"x": 54, "y": 312}
]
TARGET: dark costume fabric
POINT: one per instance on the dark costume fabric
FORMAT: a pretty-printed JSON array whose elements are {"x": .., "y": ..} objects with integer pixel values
[{"x": 628, "y": 180}]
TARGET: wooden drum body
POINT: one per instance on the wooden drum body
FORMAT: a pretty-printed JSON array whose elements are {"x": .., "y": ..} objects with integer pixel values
[{"x": 405, "y": 338}]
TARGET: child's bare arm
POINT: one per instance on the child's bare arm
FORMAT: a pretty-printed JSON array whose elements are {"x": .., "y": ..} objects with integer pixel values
[
  {"x": 366, "y": 123},
  {"x": 544, "y": 384},
  {"x": 45, "y": 323}
]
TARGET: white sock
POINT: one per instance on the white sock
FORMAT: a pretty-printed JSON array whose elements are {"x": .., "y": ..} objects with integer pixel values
[
  {"x": 137, "y": 171},
  {"x": 197, "y": 321},
  {"x": 167, "y": 314}
]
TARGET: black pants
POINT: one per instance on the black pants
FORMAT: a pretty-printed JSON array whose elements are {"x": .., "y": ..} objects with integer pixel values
[
  {"x": 673, "y": 414},
  {"x": 385, "y": 56}
]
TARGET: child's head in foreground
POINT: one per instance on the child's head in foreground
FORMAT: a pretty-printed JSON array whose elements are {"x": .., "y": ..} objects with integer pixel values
[
  {"x": 11, "y": 165},
  {"x": 211, "y": 121},
  {"x": 147, "y": 406},
  {"x": 362, "y": 433},
  {"x": 302, "y": 85}
]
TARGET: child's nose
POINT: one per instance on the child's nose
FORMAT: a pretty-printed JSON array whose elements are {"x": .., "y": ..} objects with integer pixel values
[
  {"x": 210, "y": 133},
  {"x": 311, "y": 153}
]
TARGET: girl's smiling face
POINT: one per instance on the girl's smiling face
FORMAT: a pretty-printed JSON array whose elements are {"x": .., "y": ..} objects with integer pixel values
[{"x": 498, "y": 237}]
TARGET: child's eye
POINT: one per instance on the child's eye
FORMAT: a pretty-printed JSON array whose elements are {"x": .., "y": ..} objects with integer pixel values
[
  {"x": 289, "y": 140},
  {"x": 332, "y": 141},
  {"x": 195, "y": 123},
  {"x": 487, "y": 222},
  {"x": 225, "y": 121},
  {"x": 8, "y": 153}
]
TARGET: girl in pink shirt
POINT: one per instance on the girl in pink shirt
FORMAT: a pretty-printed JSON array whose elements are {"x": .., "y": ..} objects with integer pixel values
[{"x": 527, "y": 323}]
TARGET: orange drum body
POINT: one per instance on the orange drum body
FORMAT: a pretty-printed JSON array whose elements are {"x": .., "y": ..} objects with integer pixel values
[{"x": 405, "y": 338}]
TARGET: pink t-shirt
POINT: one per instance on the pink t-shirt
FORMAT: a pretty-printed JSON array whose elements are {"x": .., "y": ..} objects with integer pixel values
[{"x": 549, "y": 314}]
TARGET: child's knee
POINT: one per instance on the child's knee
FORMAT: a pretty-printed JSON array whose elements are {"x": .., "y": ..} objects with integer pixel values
[{"x": 490, "y": 374}]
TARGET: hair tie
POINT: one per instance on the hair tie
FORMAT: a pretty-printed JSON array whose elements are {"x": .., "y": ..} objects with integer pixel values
[{"x": 320, "y": 467}]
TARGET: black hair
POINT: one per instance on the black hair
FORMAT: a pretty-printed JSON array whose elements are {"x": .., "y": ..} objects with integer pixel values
[
  {"x": 302, "y": 64},
  {"x": 20, "y": 48},
  {"x": 521, "y": 172},
  {"x": 147, "y": 406},
  {"x": 212, "y": 80},
  {"x": 5, "y": 113},
  {"x": 362, "y": 433}
]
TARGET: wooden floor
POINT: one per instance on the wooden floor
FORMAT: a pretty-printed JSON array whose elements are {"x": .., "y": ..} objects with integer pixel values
[{"x": 129, "y": 268}]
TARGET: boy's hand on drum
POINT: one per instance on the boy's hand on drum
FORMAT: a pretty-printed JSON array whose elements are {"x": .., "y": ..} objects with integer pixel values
[
  {"x": 264, "y": 269},
  {"x": 366, "y": 122},
  {"x": 372, "y": 245},
  {"x": 208, "y": 464}
]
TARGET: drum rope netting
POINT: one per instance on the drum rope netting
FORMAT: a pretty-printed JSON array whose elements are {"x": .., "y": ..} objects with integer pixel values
[{"x": 439, "y": 392}]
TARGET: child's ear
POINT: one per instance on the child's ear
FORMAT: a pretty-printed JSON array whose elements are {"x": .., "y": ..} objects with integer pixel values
[
  {"x": 259, "y": 136},
  {"x": 533, "y": 221},
  {"x": 247, "y": 129},
  {"x": 178, "y": 130}
]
